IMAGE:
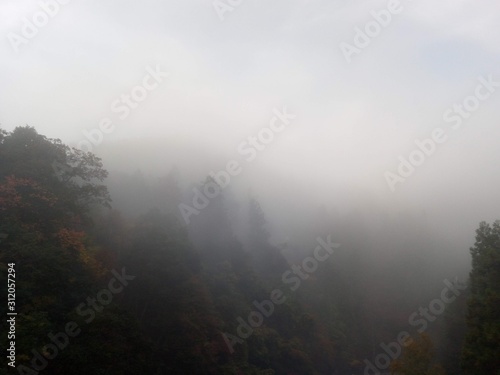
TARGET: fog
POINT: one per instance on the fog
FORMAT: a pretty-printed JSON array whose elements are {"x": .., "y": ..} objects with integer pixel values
[{"x": 211, "y": 76}]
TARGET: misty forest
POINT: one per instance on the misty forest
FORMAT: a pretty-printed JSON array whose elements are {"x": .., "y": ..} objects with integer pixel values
[{"x": 236, "y": 188}]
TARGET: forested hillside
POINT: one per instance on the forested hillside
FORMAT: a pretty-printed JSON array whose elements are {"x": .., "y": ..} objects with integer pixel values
[
  {"x": 230, "y": 187},
  {"x": 105, "y": 288}
]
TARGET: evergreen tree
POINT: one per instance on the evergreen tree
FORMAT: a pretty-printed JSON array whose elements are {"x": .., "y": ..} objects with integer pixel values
[{"x": 481, "y": 354}]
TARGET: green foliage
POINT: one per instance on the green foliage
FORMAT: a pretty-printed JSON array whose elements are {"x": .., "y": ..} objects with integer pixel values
[
  {"x": 416, "y": 359},
  {"x": 43, "y": 213},
  {"x": 481, "y": 354},
  {"x": 455, "y": 328},
  {"x": 74, "y": 176}
]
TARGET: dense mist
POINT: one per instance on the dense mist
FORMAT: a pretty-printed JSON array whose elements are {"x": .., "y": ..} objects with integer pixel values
[{"x": 297, "y": 187}]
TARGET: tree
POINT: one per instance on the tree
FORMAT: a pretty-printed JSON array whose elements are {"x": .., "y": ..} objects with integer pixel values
[
  {"x": 268, "y": 259},
  {"x": 46, "y": 190},
  {"x": 74, "y": 176},
  {"x": 416, "y": 358},
  {"x": 454, "y": 335},
  {"x": 481, "y": 354}
]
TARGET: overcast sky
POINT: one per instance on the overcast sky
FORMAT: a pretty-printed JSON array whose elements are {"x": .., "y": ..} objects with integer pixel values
[{"x": 353, "y": 120}]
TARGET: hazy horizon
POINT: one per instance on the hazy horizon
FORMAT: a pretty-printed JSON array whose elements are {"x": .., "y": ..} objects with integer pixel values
[{"x": 217, "y": 80}]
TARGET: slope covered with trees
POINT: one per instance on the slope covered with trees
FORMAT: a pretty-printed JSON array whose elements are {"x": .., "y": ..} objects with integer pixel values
[
  {"x": 45, "y": 216},
  {"x": 145, "y": 293}
]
